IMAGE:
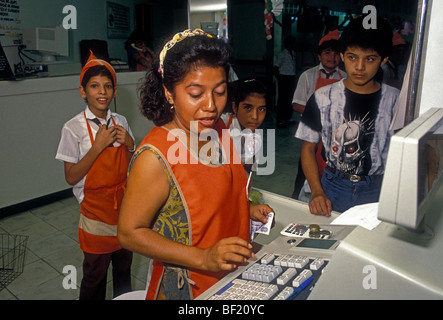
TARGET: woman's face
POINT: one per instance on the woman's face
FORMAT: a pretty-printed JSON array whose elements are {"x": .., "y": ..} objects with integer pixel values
[{"x": 201, "y": 97}]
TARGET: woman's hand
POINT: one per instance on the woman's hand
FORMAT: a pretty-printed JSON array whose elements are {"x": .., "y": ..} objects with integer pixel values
[{"x": 227, "y": 254}]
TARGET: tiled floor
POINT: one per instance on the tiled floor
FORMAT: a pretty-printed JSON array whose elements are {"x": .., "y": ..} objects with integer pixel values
[
  {"x": 52, "y": 245},
  {"x": 52, "y": 231}
]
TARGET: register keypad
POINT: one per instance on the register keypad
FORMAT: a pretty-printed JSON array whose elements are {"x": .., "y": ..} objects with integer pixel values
[{"x": 273, "y": 277}]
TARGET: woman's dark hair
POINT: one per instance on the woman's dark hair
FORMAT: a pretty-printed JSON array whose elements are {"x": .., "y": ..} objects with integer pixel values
[
  {"x": 378, "y": 39},
  {"x": 192, "y": 52},
  {"x": 96, "y": 71}
]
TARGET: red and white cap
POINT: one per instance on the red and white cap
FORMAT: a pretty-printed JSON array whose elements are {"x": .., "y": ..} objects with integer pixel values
[
  {"x": 332, "y": 35},
  {"x": 397, "y": 39}
]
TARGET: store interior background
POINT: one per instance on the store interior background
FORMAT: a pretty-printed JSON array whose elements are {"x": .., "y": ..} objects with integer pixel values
[{"x": 49, "y": 214}]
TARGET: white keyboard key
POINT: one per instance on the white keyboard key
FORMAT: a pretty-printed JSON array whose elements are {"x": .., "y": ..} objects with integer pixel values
[
  {"x": 259, "y": 276},
  {"x": 286, "y": 276},
  {"x": 268, "y": 258},
  {"x": 268, "y": 277},
  {"x": 277, "y": 269},
  {"x": 291, "y": 262},
  {"x": 239, "y": 282},
  {"x": 261, "y": 296},
  {"x": 286, "y": 292},
  {"x": 316, "y": 264},
  {"x": 301, "y": 262},
  {"x": 270, "y": 291},
  {"x": 305, "y": 274},
  {"x": 284, "y": 261},
  {"x": 277, "y": 261}
]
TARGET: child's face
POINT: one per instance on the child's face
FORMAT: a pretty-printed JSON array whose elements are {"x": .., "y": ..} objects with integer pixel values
[
  {"x": 251, "y": 112},
  {"x": 201, "y": 96},
  {"x": 329, "y": 59},
  {"x": 140, "y": 44},
  {"x": 361, "y": 66},
  {"x": 99, "y": 93}
]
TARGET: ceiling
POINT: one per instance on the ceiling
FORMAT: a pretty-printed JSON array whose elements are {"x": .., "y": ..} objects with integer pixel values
[{"x": 207, "y": 5}]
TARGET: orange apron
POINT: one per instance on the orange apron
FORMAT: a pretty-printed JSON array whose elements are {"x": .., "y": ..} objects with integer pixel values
[
  {"x": 103, "y": 193},
  {"x": 321, "y": 82},
  {"x": 231, "y": 118},
  {"x": 217, "y": 205}
]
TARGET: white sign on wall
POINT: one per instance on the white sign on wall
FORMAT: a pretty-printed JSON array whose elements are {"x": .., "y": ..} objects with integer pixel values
[
  {"x": 10, "y": 24},
  {"x": 118, "y": 19}
]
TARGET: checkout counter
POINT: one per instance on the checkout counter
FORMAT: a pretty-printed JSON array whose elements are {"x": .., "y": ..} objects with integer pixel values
[
  {"x": 375, "y": 251},
  {"x": 388, "y": 262}
]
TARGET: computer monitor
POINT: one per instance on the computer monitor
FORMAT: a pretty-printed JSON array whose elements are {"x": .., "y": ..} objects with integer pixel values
[
  {"x": 413, "y": 171},
  {"x": 6, "y": 72},
  {"x": 49, "y": 42}
]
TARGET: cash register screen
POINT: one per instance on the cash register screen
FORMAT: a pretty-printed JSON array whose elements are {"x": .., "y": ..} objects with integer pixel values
[
  {"x": 413, "y": 171},
  {"x": 316, "y": 243},
  {"x": 430, "y": 164}
]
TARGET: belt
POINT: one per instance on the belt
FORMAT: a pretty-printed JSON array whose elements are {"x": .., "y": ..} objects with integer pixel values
[{"x": 353, "y": 177}]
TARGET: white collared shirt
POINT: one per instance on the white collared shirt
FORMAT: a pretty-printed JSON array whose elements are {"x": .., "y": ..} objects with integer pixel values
[
  {"x": 75, "y": 141},
  {"x": 238, "y": 135},
  {"x": 308, "y": 80},
  {"x": 286, "y": 63}
]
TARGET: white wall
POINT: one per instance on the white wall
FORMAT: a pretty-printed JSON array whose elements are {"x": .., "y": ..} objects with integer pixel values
[{"x": 32, "y": 113}]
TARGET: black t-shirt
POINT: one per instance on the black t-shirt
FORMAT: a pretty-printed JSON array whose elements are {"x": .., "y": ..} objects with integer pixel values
[{"x": 350, "y": 143}]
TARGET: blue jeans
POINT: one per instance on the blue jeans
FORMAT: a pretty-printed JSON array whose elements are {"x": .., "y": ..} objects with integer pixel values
[{"x": 345, "y": 194}]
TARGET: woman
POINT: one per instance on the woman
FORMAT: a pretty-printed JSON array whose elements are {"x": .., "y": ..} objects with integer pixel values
[
  {"x": 140, "y": 56},
  {"x": 190, "y": 216}
]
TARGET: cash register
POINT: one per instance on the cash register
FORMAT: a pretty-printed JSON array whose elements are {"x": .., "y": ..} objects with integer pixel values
[{"x": 311, "y": 257}]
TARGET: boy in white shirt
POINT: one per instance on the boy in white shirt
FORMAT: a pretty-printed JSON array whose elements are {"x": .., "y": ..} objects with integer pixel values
[{"x": 96, "y": 147}]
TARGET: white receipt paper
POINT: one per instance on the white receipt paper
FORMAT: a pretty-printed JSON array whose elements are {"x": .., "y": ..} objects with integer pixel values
[{"x": 364, "y": 215}]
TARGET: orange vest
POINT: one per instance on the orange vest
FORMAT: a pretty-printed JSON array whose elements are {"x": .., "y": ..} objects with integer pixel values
[
  {"x": 321, "y": 82},
  {"x": 216, "y": 201},
  {"x": 103, "y": 193}
]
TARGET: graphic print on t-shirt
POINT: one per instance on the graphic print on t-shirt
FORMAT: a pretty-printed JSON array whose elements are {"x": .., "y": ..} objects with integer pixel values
[{"x": 350, "y": 145}]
